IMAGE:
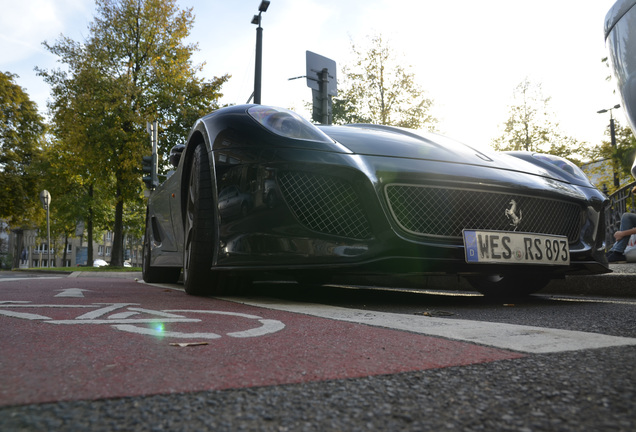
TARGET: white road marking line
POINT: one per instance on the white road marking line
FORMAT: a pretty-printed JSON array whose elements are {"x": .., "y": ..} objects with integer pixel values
[
  {"x": 205, "y": 311},
  {"x": 269, "y": 326},
  {"x": 124, "y": 321},
  {"x": 71, "y": 292},
  {"x": 26, "y": 304},
  {"x": 162, "y": 333},
  {"x": 528, "y": 339},
  {"x": 23, "y": 315},
  {"x": 103, "y": 311},
  {"x": 28, "y": 278}
]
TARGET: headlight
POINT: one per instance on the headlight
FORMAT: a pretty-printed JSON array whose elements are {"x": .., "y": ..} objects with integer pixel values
[
  {"x": 287, "y": 124},
  {"x": 563, "y": 164}
]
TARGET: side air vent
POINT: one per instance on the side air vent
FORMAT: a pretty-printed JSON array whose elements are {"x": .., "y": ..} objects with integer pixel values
[{"x": 325, "y": 204}]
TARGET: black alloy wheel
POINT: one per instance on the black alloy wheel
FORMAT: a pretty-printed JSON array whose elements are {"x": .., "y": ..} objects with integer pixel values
[{"x": 200, "y": 229}]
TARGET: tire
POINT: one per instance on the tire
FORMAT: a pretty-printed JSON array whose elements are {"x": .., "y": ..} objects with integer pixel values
[
  {"x": 152, "y": 274},
  {"x": 506, "y": 285},
  {"x": 199, "y": 228},
  {"x": 200, "y": 235}
]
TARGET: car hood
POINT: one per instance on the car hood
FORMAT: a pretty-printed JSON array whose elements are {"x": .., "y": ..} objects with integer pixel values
[{"x": 374, "y": 140}]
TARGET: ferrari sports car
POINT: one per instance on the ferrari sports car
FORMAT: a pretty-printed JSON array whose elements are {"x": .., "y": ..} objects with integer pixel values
[{"x": 260, "y": 190}]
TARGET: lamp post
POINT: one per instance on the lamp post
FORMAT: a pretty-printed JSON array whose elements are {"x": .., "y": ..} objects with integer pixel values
[
  {"x": 45, "y": 197},
  {"x": 259, "y": 51},
  {"x": 613, "y": 138}
]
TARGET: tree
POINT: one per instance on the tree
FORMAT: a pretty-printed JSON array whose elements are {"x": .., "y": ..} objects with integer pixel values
[
  {"x": 133, "y": 68},
  {"x": 377, "y": 89},
  {"x": 72, "y": 178},
  {"x": 76, "y": 162},
  {"x": 21, "y": 137},
  {"x": 625, "y": 149},
  {"x": 531, "y": 126},
  {"x": 620, "y": 158}
]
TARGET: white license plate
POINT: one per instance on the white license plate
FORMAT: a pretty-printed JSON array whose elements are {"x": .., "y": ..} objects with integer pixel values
[{"x": 515, "y": 248}]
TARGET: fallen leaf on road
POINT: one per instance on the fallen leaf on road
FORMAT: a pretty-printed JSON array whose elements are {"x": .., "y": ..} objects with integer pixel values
[{"x": 434, "y": 313}]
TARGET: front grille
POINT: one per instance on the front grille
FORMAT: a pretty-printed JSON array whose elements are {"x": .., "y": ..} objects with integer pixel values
[
  {"x": 324, "y": 204},
  {"x": 441, "y": 211}
]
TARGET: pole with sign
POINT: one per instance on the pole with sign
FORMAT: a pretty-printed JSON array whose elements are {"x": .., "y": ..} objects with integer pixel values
[{"x": 321, "y": 78}]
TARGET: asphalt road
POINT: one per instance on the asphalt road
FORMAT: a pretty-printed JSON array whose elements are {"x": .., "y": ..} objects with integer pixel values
[{"x": 327, "y": 358}]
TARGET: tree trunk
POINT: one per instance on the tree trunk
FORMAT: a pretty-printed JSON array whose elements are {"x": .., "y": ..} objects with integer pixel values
[
  {"x": 117, "y": 253},
  {"x": 18, "y": 248},
  {"x": 65, "y": 250}
]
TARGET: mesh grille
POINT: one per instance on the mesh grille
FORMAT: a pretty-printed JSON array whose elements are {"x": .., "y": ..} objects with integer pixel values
[
  {"x": 438, "y": 211},
  {"x": 325, "y": 204}
]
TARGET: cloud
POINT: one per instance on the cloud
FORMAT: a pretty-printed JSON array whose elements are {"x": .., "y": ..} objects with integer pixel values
[{"x": 22, "y": 27}]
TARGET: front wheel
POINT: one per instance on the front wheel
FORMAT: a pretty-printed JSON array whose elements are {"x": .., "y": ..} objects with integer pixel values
[
  {"x": 200, "y": 235},
  {"x": 506, "y": 285}
]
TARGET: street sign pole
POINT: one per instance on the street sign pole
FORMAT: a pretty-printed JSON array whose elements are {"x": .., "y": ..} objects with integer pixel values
[
  {"x": 321, "y": 79},
  {"x": 155, "y": 157},
  {"x": 324, "y": 96},
  {"x": 150, "y": 163}
]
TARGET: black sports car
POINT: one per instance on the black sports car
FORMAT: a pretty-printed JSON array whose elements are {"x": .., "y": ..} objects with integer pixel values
[{"x": 259, "y": 189}]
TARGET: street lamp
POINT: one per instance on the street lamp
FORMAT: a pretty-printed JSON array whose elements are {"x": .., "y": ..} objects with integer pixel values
[
  {"x": 259, "y": 51},
  {"x": 45, "y": 197},
  {"x": 613, "y": 138}
]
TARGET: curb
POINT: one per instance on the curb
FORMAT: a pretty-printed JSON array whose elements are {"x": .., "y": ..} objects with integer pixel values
[
  {"x": 607, "y": 286},
  {"x": 113, "y": 275},
  {"x": 620, "y": 283}
]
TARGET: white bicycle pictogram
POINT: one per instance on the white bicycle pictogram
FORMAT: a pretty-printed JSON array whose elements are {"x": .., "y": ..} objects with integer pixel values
[{"x": 129, "y": 317}]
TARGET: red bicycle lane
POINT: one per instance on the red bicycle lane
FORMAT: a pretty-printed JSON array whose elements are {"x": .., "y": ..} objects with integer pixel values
[{"x": 119, "y": 340}]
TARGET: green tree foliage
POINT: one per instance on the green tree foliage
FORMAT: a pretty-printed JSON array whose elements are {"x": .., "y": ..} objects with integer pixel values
[
  {"x": 21, "y": 137},
  {"x": 620, "y": 158},
  {"x": 134, "y": 67},
  {"x": 376, "y": 88},
  {"x": 532, "y": 127},
  {"x": 73, "y": 179},
  {"x": 625, "y": 149}
]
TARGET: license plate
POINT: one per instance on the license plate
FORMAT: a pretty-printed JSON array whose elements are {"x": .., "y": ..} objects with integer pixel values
[{"x": 515, "y": 248}]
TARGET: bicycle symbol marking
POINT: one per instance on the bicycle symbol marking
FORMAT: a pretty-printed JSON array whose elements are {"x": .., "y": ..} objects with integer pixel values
[{"x": 125, "y": 317}]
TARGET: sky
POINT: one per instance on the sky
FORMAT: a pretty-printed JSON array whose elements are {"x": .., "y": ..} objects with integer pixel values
[{"x": 467, "y": 55}]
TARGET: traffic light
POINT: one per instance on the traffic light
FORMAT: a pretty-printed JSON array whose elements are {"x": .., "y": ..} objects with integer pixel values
[{"x": 148, "y": 167}]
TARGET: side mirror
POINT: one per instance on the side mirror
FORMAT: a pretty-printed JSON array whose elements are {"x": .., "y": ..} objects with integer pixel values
[{"x": 175, "y": 154}]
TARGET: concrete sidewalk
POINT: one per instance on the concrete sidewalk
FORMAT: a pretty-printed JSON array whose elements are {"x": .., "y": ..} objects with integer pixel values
[{"x": 620, "y": 283}]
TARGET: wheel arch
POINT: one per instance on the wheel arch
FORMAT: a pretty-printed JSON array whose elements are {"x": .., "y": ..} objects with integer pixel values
[{"x": 197, "y": 136}]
